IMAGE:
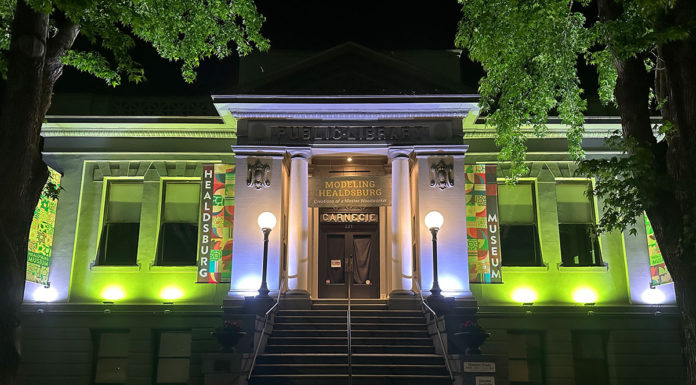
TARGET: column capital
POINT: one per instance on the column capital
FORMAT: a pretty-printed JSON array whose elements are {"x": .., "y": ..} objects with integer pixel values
[
  {"x": 456, "y": 150},
  {"x": 399, "y": 151},
  {"x": 299, "y": 152}
]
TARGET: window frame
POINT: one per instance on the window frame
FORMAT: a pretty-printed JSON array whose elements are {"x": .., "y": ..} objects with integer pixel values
[
  {"x": 576, "y": 335},
  {"x": 594, "y": 212},
  {"x": 160, "y": 217},
  {"x": 157, "y": 334},
  {"x": 96, "y": 335},
  {"x": 542, "y": 354},
  {"x": 539, "y": 257},
  {"x": 106, "y": 182}
]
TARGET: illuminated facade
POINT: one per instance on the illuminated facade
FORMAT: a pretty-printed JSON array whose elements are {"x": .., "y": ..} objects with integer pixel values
[{"x": 346, "y": 176}]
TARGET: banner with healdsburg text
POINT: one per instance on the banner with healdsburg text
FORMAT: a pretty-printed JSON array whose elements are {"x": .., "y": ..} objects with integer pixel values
[{"x": 217, "y": 221}]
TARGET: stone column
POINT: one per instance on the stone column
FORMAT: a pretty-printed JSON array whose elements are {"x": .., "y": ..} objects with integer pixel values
[
  {"x": 298, "y": 221},
  {"x": 401, "y": 259}
]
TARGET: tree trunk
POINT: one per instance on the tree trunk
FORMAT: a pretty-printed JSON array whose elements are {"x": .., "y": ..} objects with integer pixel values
[{"x": 33, "y": 67}]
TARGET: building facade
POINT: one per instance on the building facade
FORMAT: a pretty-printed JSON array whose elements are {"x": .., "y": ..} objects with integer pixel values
[{"x": 156, "y": 238}]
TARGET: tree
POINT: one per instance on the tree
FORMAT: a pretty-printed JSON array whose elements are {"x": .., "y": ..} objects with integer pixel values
[
  {"x": 645, "y": 55},
  {"x": 35, "y": 44}
]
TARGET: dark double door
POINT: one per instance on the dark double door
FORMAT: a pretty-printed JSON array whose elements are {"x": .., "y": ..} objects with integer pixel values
[{"x": 349, "y": 258}]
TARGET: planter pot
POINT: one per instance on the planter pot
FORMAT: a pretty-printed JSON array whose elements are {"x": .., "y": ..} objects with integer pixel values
[
  {"x": 228, "y": 339},
  {"x": 472, "y": 340}
]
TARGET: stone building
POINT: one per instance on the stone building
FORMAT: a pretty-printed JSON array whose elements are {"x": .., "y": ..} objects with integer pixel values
[{"x": 349, "y": 149}]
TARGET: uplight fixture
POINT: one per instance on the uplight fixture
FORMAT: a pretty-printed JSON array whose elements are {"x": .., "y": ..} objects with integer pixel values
[
  {"x": 585, "y": 295},
  {"x": 350, "y": 159},
  {"x": 653, "y": 296},
  {"x": 45, "y": 294},
  {"x": 524, "y": 295},
  {"x": 171, "y": 293},
  {"x": 113, "y": 293}
]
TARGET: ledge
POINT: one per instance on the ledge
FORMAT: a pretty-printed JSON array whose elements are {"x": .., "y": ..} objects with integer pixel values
[
  {"x": 584, "y": 269},
  {"x": 114, "y": 269},
  {"x": 173, "y": 269},
  {"x": 525, "y": 269}
]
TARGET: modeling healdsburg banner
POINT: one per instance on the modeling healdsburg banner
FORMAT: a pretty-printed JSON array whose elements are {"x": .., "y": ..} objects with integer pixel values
[
  {"x": 658, "y": 269},
  {"x": 41, "y": 234},
  {"x": 217, "y": 219},
  {"x": 483, "y": 230}
]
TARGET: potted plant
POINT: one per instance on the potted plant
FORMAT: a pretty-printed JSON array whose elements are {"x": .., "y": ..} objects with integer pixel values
[
  {"x": 228, "y": 335},
  {"x": 471, "y": 336}
]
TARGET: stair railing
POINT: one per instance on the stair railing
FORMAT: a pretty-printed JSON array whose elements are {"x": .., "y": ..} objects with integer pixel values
[
  {"x": 348, "y": 327},
  {"x": 271, "y": 312},
  {"x": 424, "y": 307}
]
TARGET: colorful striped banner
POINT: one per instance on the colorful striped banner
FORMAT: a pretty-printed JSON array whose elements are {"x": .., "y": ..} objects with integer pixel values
[
  {"x": 658, "y": 269},
  {"x": 483, "y": 230},
  {"x": 41, "y": 234}
]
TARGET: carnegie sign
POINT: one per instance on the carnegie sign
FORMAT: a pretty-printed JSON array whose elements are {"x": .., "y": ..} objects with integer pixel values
[
  {"x": 349, "y": 217},
  {"x": 354, "y": 191}
]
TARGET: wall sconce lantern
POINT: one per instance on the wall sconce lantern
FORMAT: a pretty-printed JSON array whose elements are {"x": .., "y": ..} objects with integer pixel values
[
  {"x": 434, "y": 221},
  {"x": 266, "y": 222}
]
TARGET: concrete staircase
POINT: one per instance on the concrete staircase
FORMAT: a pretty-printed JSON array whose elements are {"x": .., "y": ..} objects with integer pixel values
[{"x": 310, "y": 347}]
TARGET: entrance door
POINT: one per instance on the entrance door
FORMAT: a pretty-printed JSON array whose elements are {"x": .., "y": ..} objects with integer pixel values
[{"x": 343, "y": 246}]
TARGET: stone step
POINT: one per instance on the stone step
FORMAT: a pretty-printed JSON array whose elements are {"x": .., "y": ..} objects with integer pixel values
[
  {"x": 342, "y": 379},
  {"x": 354, "y": 313},
  {"x": 343, "y": 326},
  {"x": 342, "y": 368},
  {"x": 422, "y": 333},
  {"x": 406, "y": 341},
  {"x": 354, "y": 319},
  {"x": 342, "y": 358},
  {"x": 341, "y": 348}
]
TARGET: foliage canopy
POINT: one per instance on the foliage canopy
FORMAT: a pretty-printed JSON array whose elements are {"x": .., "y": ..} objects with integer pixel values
[
  {"x": 530, "y": 52},
  {"x": 185, "y": 31}
]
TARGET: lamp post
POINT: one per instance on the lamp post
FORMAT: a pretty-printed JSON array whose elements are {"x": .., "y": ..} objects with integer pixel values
[
  {"x": 434, "y": 220},
  {"x": 266, "y": 222}
]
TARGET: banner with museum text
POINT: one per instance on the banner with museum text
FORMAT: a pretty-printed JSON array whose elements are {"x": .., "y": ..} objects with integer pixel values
[
  {"x": 41, "y": 233},
  {"x": 217, "y": 220},
  {"x": 483, "y": 245},
  {"x": 658, "y": 269}
]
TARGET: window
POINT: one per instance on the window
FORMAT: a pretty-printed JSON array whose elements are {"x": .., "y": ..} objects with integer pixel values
[
  {"x": 173, "y": 357},
  {"x": 519, "y": 237},
  {"x": 119, "y": 237},
  {"x": 579, "y": 245},
  {"x": 178, "y": 236},
  {"x": 111, "y": 357},
  {"x": 525, "y": 358},
  {"x": 590, "y": 358}
]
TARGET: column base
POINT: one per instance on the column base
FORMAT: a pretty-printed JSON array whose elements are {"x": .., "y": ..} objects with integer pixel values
[
  {"x": 296, "y": 300},
  {"x": 403, "y": 300}
]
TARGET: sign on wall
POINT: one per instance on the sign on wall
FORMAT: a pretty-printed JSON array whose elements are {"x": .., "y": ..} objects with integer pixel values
[
  {"x": 350, "y": 191},
  {"x": 217, "y": 220},
  {"x": 41, "y": 234},
  {"x": 483, "y": 230},
  {"x": 658, "y": 269}
]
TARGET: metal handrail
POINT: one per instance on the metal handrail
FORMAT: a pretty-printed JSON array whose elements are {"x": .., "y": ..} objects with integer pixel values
[
  {"x": 437, "y": 328},
  {"x": 268, "y": 315},
  {"x": 348, "y": 327}
]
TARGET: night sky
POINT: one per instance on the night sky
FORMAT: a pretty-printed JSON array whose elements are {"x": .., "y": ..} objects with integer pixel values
[{"x": 293, "y": 24}]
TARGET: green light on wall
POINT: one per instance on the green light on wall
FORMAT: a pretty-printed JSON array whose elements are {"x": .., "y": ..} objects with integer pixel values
[
  {"x": 585, "y": 295},
  {"x": 113, "y": 293},
  {"x": 171, "y": 293},
  {"x": 525, "y": 295}
]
